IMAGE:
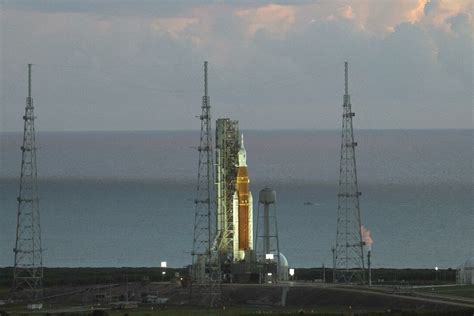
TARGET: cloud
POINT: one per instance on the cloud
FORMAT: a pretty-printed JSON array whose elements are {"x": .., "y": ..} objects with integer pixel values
[
  {"x": 272, "y": 18},
  {"x": 101, "y": 7},
  {"x": 347, "y": 12},
  {"x": 415, "y": 14},
  {"x": 175, "y": 27},
  {"x": 102, "y": 69},
  {"x": 437, "y": 13},
  {"x": 381, "y": 17},
  {"x": 461, "y": 24}
]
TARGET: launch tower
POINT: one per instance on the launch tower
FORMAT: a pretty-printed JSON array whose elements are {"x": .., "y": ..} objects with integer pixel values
[
  {"x": 227, "y": 151},
  {"x": 349, "y": 255},
  {"x": 205, "y": 276},
  {"x": 28, "y": 266}
]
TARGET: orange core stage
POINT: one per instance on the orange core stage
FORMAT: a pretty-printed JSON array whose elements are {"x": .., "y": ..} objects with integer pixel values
[{"x": 243, "y": 195}]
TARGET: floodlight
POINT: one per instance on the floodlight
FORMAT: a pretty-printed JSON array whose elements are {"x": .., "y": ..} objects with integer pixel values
[{"x": 269, "y": 256}]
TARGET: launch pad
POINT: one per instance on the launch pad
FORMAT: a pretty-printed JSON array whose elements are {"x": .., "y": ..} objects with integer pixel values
[{"x": 244, "y": 259}]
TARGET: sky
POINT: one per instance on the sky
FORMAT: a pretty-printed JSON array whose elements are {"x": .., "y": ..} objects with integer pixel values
[{"x": 138, "y": 64}]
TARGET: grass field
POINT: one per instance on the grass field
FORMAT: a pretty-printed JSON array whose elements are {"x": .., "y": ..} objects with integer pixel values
[
  {"x": 241, "y": 311},
  {"x": 461, "y": 290},
  {"x": 194, "y": 311},
  {"x": 305, "y": 299},
  {"x": 183, "y": 311},
  {"x": 4, "y": 291}
]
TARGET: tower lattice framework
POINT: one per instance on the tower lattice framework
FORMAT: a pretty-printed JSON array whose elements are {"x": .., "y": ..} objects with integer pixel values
[
  {"x": 227, "y": 151},
  {"x": 349, "y": 255},
  {"x": 205, "y": 274},
  {"x": 28, "y": 265}
]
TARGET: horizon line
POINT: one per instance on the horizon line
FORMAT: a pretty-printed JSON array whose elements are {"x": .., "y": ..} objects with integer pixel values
[{"x": 246, "y": 129}]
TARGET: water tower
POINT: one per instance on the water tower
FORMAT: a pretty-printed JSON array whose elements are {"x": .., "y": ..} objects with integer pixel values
[{"x": 267, "y": 246}]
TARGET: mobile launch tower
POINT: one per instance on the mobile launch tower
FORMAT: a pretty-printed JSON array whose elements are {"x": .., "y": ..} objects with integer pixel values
[
  {"x": 227, "y": 151},
  {"x": 234, "y": 198}
]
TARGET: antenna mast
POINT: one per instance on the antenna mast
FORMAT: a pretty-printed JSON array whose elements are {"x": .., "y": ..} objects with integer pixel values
[
  {"x": 28, "y": 265},
  {"x": 349, "y": 255}
]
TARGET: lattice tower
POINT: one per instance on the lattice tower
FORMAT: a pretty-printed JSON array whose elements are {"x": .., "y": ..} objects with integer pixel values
[
  {"x": 28, "y": 265},
  {"x": 205, "y": 275},
  {"x": 349, "y": 255}
]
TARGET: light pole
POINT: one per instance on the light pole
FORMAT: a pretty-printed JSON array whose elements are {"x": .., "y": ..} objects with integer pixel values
[
  {"x": 333, "y": 264},
  {"x": 324, "y": 273},
  {"x": 436, "y": 269},
  {"x": 163, "y": 272},
  {"x": 369, "y": 267},
  {"x": 291, "y": 272}
]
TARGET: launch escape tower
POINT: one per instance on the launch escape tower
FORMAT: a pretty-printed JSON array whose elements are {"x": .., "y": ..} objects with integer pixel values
[
  {"x": 349, "y": 255},
  {"x": 205, "y": 275},
  {"x": 227, "y": 151},
  {"x": 28, "y": 265}
]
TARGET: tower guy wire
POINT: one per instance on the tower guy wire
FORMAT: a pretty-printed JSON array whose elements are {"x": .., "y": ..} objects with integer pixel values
[{"x": 349, "y": 254}]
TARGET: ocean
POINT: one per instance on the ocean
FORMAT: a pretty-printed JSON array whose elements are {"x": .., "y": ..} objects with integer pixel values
[{"x": 115, "y": 199}]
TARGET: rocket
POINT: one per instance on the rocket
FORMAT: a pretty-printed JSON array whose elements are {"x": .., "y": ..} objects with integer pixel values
[{"x": 242, "y": 208}]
